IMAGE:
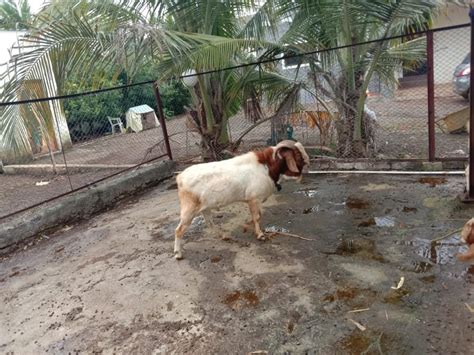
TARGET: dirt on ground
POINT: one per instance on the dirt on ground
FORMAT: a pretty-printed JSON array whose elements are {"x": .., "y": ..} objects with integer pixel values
[{"x": 110, "y": 284}]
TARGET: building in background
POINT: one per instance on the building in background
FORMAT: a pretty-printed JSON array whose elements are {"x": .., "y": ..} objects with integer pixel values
[{"x": 44, "y": 123}]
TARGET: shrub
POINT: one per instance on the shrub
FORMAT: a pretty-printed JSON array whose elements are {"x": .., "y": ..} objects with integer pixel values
[{"x": 87, "y": 115}]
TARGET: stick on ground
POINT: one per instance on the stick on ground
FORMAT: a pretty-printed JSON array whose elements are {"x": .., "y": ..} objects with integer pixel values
[{"x": 273, "y": 234}]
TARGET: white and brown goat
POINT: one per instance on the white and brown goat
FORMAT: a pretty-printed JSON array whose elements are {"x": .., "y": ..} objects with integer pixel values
[{"x": 250, "y": 178}]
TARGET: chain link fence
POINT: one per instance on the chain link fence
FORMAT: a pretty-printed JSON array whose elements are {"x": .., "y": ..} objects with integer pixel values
[
  {"x": 77, "y": 141},
  {"x": 395, "y": 116}
]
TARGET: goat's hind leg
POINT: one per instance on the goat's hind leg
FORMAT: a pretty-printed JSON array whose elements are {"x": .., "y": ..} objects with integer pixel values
[{"x": 188, "y": 212}]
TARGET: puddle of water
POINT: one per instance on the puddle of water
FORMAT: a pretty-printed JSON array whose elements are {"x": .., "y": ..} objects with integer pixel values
[
  {"x": 357, "y": 203},
  {"x": 386, "y": 221},
  {"x": 273, "y": 229},
  {"x": 437, "y": 253},
  {"x": 432, "y": 181},
  {"x": 308, "y": 192}
]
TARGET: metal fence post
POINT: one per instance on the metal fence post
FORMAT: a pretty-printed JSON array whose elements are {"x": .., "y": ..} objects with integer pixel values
[
  {"x": 471, "y": 116},
  {"x": 431, "y": 103},
  {"x": 162, "y": 119}
]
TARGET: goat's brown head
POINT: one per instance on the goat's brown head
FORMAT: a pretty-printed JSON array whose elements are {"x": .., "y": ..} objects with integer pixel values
[
  {"x": 295, "y": 159},
  {"x": 287, "y": 159}
]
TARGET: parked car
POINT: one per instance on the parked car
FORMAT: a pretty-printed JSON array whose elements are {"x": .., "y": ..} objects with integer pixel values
[{"x": 462, "y": 77}]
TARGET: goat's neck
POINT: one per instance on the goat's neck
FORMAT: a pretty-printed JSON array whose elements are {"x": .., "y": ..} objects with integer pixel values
[{"x": 275, "y": 166}]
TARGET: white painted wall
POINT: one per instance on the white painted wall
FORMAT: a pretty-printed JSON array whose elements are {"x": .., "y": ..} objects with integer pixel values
[{"x": 450, "y": 47}]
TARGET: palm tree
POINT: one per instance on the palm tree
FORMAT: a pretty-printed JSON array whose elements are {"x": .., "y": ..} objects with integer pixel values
[
  {"x": 15, "y": 15},
  {"x": 344, "y": 75}
]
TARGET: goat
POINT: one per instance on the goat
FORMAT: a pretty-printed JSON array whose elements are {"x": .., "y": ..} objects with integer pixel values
[{"x": 251, "y": 178}]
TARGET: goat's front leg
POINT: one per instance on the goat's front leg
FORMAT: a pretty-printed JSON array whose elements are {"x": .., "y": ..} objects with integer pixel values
[{"x": 255, "y": 212}]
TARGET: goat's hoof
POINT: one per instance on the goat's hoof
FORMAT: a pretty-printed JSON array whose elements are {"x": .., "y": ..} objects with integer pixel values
[
  {"x": 178, "y": 256},
  {"x": 261, "y": 236},
  {"x": 225, "y": 237}
]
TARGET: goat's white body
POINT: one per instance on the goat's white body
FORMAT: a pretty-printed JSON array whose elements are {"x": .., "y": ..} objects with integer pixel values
[
  {"x": 208, "y": 186},
  {"x": 219, "y": 184}
]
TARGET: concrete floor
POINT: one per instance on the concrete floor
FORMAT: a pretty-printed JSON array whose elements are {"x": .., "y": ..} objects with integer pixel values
[{"x": 111, "y": 284}]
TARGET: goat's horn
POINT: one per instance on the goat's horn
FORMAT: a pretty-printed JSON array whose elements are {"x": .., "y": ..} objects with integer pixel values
[{"x": 283, "y": 144}]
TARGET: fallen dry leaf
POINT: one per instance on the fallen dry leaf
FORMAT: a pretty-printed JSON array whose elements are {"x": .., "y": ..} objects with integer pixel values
[{"x": 400, "y": 283}]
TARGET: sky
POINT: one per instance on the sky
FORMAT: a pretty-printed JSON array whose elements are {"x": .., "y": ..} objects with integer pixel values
[{"x": 35, "y": 5}]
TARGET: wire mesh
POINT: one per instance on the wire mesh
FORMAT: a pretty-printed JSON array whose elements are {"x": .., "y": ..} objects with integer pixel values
[
  {"x": 77, "y": 141},
  {"x": 451, "y": 86},
  {"x": 394, "y": 118}
]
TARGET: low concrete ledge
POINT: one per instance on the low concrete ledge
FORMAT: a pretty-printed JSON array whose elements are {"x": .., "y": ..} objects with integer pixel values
[
  {"x": 81, "y": 204},
  {"x": 326, "y": 164},
  {"x": 47, "y": 169}
]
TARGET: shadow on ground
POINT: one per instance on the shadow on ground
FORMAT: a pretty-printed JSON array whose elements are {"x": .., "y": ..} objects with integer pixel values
[{"x": 112, "y": 284}]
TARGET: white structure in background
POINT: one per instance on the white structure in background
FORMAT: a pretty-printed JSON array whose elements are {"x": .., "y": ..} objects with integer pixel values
[
  {"x": 450, "y": 47},
  {"x": 44, "y": 86},
  {"x": 140, "y": 118}
]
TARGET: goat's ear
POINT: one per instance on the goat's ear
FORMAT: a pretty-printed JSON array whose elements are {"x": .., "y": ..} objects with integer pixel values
[{"x": 289, "y": 156}]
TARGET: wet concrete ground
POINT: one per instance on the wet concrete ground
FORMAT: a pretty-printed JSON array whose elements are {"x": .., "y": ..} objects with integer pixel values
[{"x": 111, "y": 284}]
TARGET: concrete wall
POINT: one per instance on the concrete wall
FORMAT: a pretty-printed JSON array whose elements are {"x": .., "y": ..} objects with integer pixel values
[{"x": 81, "y": 204}]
